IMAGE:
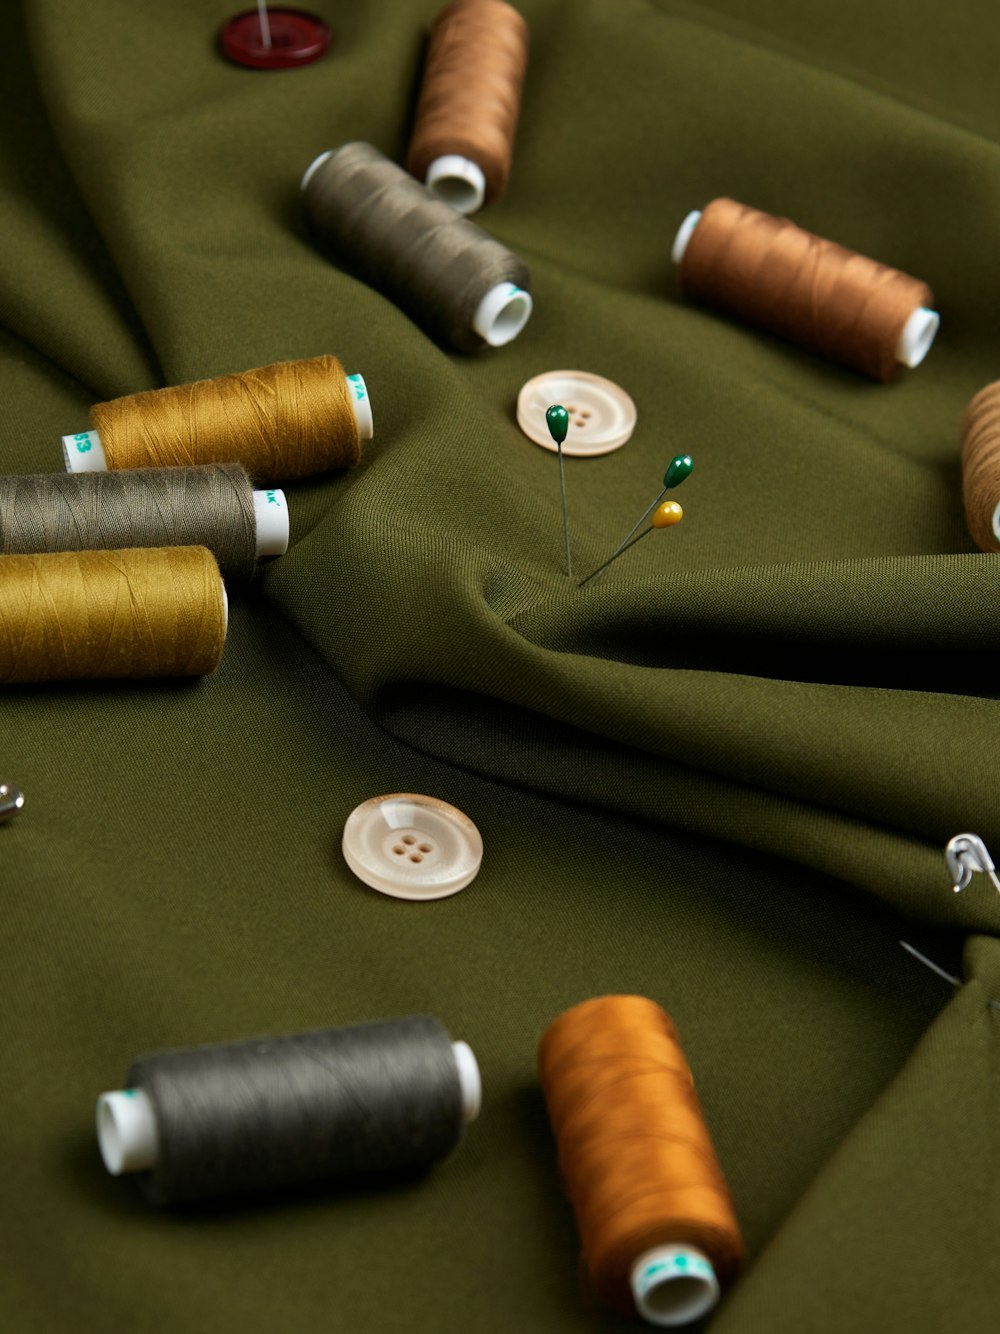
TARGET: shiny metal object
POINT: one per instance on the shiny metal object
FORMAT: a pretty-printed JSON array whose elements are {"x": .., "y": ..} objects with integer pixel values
[
  {"x": 966, "y": 854},
  {"x": 11, "y": 801}
]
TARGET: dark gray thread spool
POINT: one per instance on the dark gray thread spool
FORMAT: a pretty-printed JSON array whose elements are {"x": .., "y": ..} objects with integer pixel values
[
  {"x": 311, "y": 1107},
  {"x": 444, "y": 271},
  {"x": 210, "y": 506}
]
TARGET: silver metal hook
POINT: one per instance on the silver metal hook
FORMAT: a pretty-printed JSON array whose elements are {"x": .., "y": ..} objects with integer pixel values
[
  {"x": 966, "y": 854},
  {"x": 11, "y": 801}
]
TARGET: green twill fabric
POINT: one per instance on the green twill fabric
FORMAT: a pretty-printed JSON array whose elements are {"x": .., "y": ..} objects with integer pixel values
[{"x": 722, "y": 777}]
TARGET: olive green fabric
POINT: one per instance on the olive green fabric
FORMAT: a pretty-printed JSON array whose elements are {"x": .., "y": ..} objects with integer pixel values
[{"x": 722, "y": 777}]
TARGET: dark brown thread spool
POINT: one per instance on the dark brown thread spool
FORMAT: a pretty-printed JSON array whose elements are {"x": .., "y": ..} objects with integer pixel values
[
  {"x": 981, "y": 467},
  {"x": 449, "y": 276},
  {"x": 470, "y": 96},
  {"x": 772, "y": 274},
  {"x": 302, "y": 1108}
]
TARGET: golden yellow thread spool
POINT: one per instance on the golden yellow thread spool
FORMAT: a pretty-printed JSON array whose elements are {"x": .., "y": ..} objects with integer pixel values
[
  {"x": 90, "y": 614},
  {"x": 290, "y": 419}
]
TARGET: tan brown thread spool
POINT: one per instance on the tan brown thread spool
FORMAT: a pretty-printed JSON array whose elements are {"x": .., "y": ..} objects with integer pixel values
[
  {"x": 73, "y": 615},
  {"x": 470, "y": 98},
  {"x": 981, "y": 467},
  {"x": 772, "y": 274},
  {"x": 286, "y": 420}
]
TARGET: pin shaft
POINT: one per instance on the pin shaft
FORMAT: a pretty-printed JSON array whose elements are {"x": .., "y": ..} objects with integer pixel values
[
  {"x": 562, "y": 489},
  {"x": 265, "y": 24},
  {"x": 620, "y": 552}
]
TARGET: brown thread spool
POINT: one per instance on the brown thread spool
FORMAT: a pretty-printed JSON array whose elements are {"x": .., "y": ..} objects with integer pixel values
[
  {"x": 71, "y": 615},
  {"x": 290, "y": 419},
  {"x": 656, "y": 1223},
  {"x": 774, "y": 275},
  {"x": 981, "y": 467},
  {"x": 470, "y": 98}
]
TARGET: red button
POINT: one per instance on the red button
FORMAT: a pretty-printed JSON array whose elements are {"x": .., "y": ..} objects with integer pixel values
[{"x": 297, "y": 38}]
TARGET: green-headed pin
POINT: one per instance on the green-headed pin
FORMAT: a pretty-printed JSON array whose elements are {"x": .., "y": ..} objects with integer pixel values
[
  {"x": 678, "y": 470},
  {"x": 557, "y": 420}
]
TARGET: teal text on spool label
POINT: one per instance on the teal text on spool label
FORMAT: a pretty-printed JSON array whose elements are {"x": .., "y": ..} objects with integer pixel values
[
  {"x": 272, "y": 498},
  {"x": 358, "y": 385},
  {"x": 83, "y": 441}
]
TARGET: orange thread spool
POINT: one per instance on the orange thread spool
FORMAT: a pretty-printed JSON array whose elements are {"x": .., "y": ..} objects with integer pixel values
[
  {"x": 469, "y": 102},
  {"x": 636, "y": 1160},
  {"x": 981, "y": 467},
  {"x": 774, "y": 275}
]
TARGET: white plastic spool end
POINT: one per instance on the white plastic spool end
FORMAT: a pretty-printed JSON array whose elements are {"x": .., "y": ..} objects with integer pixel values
[
  {"x": 83, "y": 452},
  {"x": 684, "y": 233},
  {"x": 469, "y": 1078},
  {"x": 271, "y": 512},
  {"x": 126, "y": 1131},
  {"x": 457, "y": 181},
  {"x": 225, "y": 608},
  {"x": 502, "y": 314},
  {"x": 361, "y": 400},
  {"x": 673, "y": 1285},
  {"x": 917, "y": 337},
  {"x": 314, "y": 166}
]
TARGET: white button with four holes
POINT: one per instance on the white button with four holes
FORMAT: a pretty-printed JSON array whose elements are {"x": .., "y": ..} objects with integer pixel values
[
  {"x": 602, "y": 417},
  {"x": 412, "y": 847}
]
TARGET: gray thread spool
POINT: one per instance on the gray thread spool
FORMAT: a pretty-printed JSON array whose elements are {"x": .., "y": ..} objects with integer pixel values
[
  {"x": 213, "y": 506},
  {"x": 452, "y": 278},
  {"x": 310, "y": 1107}
]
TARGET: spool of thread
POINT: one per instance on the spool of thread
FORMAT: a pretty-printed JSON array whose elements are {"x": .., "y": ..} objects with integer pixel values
[
  {"x": 458, "y": 283},
  {"x": 290, "y": 419},
  {"x": 656, "y": 1223},
  {"x": 71, "y": 615},
  {"x": 306, "y": 1108},
  {"x": 981, "y": 467},
  {"x": 774, "y": 275},
  {"x": 214, "y": 506},
  {"x": 463, "y": 134}
]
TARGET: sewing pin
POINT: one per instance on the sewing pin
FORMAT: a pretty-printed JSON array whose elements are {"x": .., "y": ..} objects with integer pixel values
[
  {"x": 678, "y": 470},
  {"x": 666, "y": 516},
  {"x": 557, "y": 420}
]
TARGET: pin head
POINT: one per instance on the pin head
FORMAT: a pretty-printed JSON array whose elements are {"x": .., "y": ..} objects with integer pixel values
[
  {"x": 667, "y": 515},
  {"x": 679, "y": 471},
  {"x": 557, "y": 420}
]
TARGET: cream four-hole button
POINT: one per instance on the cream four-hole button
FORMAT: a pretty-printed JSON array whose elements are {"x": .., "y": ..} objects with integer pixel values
[{"x": 411, "y": 846}]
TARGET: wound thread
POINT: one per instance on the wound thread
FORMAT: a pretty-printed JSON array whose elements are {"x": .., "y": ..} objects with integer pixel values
[
  {"x": 286, "y": 420},
  {"x": 211, "y": 506},
  {"x": 772, "y": 274},
  {"x": 306, "y": 1108},
  {"x": 92, "y": 614},
  {"x": 470, "y": 97},
  {"x": 634, "y": 1152},
  {"x": 981, "y": 467},
  {"x": 434, "y": 264}
]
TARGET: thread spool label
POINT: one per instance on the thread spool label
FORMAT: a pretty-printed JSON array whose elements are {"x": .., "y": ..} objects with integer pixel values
[
  {"x": 83, "y": 442},
  {"x": 273, "y": 498},
  {"x": 358, "y": 387},
  {"x": 674, "y": 1266}
]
